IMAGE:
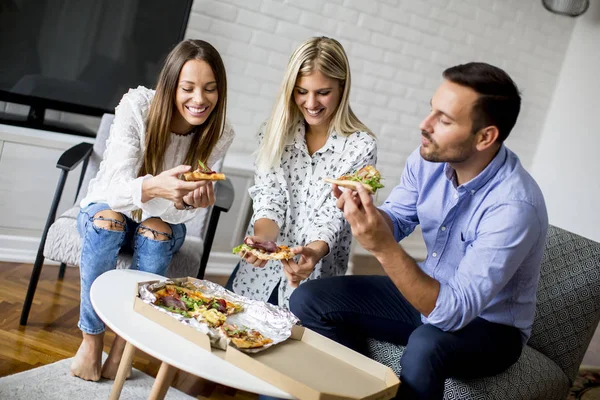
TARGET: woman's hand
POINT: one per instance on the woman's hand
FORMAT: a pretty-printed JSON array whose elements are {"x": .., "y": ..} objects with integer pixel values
[
  {"x": 249, "y": 257},
  {"x": 202, "y": 197},
  {"x": 310, "y": 255},
  {"x": 167, "y": 185}
]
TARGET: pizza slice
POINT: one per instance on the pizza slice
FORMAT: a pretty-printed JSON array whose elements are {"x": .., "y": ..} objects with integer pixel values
[
  {"x": 266, "y": 250},
  {"x": 203, "y": 173},
  {"x": 194, "y": 304},
  {"x": 244, "y": 338},
  {"x": 367, "y": 176}
]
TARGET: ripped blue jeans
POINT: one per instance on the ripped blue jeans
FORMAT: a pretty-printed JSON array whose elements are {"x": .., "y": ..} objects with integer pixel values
[{"x": 100, "y": 249}]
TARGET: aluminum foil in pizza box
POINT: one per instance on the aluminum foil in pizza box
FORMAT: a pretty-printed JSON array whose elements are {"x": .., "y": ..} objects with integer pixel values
[{"x": 271, "y": 321}]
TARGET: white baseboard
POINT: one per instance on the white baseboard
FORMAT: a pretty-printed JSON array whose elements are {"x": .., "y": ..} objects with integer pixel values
[
  {"x": 23, "y": 249},
  {"x": 20, "y": 249}
]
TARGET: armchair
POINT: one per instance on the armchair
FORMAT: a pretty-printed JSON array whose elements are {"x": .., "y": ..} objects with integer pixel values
[
  {"x": 567, "y": 314},
  {"x": 60, "y": 240}
]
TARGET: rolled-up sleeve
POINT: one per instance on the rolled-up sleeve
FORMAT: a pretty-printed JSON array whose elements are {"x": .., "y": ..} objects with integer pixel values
[
  {"x": 505, "y": 236},
  {"x": 269, "y": 198},
  {"x": 401, "y": 204}
]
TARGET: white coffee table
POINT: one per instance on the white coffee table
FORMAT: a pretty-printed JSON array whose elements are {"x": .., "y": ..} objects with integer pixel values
[{"x": 112, "y": 297}]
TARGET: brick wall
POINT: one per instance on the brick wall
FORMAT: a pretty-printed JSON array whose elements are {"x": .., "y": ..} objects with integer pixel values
[{"x": 397, "y": 51}]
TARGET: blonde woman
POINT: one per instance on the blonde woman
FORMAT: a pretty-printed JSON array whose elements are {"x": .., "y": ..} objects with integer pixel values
[
  {"x": 137, "y": 203},
  {"x": 312, "y": 134}
]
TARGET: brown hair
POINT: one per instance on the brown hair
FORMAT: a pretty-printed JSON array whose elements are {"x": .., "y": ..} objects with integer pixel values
[
  {"x": 499, "y": 101},
  {"x": 158, "y": 123}
]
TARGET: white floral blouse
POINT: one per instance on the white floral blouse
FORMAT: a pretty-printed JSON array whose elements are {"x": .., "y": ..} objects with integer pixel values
[{"x": 295, "y": 196}]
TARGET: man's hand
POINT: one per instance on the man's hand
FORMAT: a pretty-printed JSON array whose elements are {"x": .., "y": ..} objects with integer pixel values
[
  {"x": 310, "y": 255},
  {"x": 369, "y": 227}
]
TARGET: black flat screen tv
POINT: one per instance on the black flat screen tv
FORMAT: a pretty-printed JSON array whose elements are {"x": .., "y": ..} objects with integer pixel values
[{"x": 81, "y": 56}]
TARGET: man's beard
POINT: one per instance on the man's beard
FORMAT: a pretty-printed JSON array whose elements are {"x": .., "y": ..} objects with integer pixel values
[{"x": 455, "y": 154}]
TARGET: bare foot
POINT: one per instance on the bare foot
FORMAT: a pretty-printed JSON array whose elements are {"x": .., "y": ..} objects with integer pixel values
[
  {"x": 87, "y": 361},
  {"x": 111, "y": 365}
]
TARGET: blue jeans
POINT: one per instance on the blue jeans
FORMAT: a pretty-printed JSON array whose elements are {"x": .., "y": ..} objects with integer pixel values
[
  {"x": 349, "y": 309},
  {"x": 100, "y": 249}
]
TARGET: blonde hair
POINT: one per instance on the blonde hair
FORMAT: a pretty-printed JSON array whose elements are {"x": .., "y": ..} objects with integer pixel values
[
  {"x": 158, "y": 122},
  {"x": 316, "y": 54}
]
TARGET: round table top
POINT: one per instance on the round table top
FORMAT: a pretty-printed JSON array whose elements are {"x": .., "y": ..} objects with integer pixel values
[{"x": 112, "y": 297}]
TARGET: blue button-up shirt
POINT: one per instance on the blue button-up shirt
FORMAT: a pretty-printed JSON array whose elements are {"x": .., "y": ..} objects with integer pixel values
[{"x": 484, "y": 238}]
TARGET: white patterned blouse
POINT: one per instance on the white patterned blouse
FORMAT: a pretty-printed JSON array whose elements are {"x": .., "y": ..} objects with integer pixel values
[{"x": 297, "y": 199}]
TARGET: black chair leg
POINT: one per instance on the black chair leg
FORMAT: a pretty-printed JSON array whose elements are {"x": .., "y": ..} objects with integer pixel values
[
  {"x": 33, "y": 281},
  {"x": 39, "y": 259},
  {"x": 210, "y": 235},
  {"x": 61, "y": 271}
]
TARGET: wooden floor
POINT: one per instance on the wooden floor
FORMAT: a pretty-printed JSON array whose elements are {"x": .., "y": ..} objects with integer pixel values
[{"x": 51, "y": 333}]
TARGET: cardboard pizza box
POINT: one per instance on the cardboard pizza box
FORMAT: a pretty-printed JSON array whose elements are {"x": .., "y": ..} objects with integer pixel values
[{"x": 308, "y": 366}]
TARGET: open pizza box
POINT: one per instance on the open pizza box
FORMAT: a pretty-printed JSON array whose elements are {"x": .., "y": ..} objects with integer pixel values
[{"x": 308, "y": 366}]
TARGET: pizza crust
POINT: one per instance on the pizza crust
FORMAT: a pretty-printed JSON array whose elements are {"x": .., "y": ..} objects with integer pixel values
[{"x": 199, "y": 176}]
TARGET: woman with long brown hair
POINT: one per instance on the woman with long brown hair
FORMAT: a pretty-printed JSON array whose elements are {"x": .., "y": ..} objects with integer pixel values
[{"x": 137, "y": 202}]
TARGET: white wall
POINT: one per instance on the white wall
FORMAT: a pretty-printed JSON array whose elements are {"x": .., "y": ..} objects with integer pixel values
[
  {"x": 567, "y": 163},
  {"x": 397, "y": 49}
]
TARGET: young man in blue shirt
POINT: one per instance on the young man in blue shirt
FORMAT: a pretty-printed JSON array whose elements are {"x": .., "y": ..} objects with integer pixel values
[{"x": 466, "y": 310}]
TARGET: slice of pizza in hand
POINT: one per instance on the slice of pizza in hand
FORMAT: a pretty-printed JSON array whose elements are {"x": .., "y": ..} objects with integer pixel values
[
  {"x": 243, "y": 338},
  {"x": 203, "y": 173},
  {"x": 367, "y": 176},
  {"x": 266, "y": 250}
]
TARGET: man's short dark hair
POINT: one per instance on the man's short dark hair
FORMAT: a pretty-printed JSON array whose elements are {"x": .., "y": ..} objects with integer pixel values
[{"x": 499, "y": 100}]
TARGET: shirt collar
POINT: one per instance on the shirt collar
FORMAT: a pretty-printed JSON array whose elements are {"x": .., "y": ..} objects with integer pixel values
[
  {"x": 484, "y": 176},
  {"x": 335, "y": 141}
]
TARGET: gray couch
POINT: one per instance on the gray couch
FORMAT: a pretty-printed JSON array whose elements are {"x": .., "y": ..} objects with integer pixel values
[
  {"x": 60, "y": 239},
  {"x": 567, "y": 314}
]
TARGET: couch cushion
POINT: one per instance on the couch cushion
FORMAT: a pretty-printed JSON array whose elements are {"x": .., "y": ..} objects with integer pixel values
[{"x": 533, "y": 376}]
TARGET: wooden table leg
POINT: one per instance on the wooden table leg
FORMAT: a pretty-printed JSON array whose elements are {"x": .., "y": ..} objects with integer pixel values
[
  {"x": 165, "y": 376},
  {"x": 124, "y": 367}
]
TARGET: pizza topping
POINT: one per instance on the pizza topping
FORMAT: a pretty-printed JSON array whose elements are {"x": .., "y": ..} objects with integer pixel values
[
  {"x": 367, "y": 174},
  {"x": 204, "y": 169},
  {"x": 170, "y": 301},
  {"x": 218, "y": 304},
  {"x": 268, "y": 246},
  {"x": 194, "y": 304}
]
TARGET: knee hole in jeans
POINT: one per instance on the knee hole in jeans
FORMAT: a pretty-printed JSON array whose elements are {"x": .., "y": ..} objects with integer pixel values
[
  {"x": 156, "y": 229},
  {"x": 109, "y": 219}
]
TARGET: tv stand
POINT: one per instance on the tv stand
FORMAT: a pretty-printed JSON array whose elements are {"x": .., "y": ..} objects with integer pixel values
[{"x": 35, "y": 119}]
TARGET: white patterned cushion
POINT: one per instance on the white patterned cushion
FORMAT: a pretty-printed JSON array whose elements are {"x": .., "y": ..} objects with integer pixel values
[{"x": 567, "y": 314}]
